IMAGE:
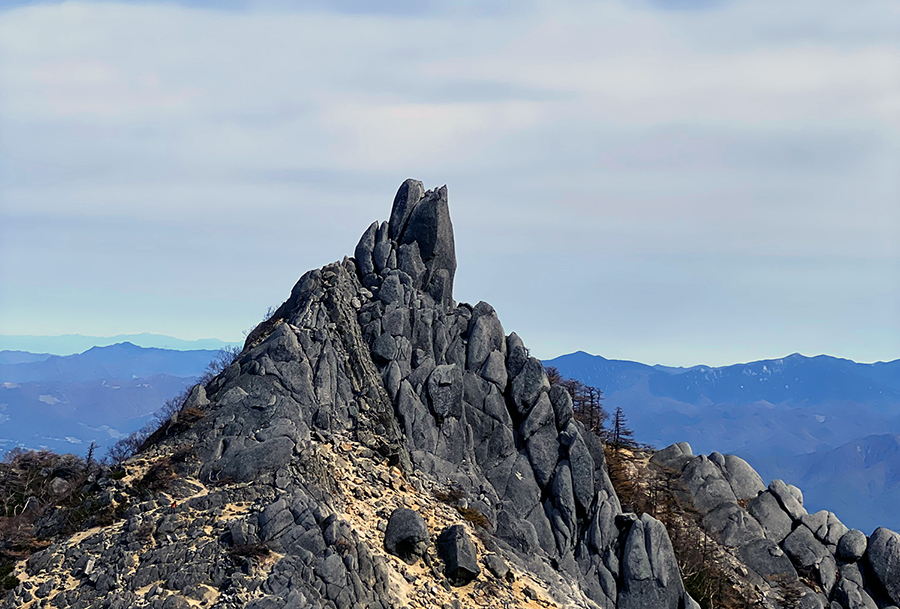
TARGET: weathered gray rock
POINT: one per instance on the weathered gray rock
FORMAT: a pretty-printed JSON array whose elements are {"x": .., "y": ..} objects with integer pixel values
[
  {"x": 707, "y": 484},
  {"x": 458, "y": 553},
  {"x": 245, "y": 461},
  {"x": 445, "y": 390},
  {"x": 732, "y": 526},
  {"x": 744, "y": 480},
  {"x": 675, "y": 456},
  {"x": 385, "y": 349},
  {"x": 429, "y": 225},
  {"x": 563, "y": 495},
  {"x": 852, "y": 596},
  {"x": 769, "y": 513},
  {"x": 825, "y": 526},
  {"x": 852, "y": 546},
  {"x": 884, "y": 557},
  {"x": 409, "y": 193},
  {"x": 519, "y": 488},
  {"x": 406, "y": 535},
  {"x": 562, "y": 406},
  {"x": 496, "y": 565},
  {"x": 790, "y": 498},
  {"x": 485, "y": 335},
  {"x": 528, "y": 385},
  {"x": 494, "y": 370},
  {"x": 364, "y": 249},
  {"x": 543, "y": 452},
  {"x": 410, "y": 262},
  {"x": 810, "y": 556},
  {"x": 381, "y": 255},
  {"x": 650, "y": 576},
  {"x": 516, "y": 356},
  {"x": 391, "y": 291},
  {"x": 768, "y": 560},
  {"x": 582, "y": 464},
  {"x": 541, "y": 415}
]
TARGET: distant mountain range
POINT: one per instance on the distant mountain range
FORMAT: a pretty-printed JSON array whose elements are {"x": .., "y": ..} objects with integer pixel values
[
  {"x": 120, "y": 361},
  {"x": 69, "y": 344},
  {"x": 828, "y": 425},
  {"x": 65, "y": 402},
  {"x": 802, "y": 419}
]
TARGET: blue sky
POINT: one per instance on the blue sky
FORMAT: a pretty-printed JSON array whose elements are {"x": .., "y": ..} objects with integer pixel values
[{"x": 671, "y": 181}]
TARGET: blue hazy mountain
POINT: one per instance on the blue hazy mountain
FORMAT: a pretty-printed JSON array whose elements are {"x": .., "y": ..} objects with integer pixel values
[
  {"x": 65, "y": 402},
  {"x": 22, "y": 357},
  {"x": 782, "y": 415},
  {"x": 68, "y": 416},
  {"x": 119, "y": 361},
  {"x": 69, "y": 344}
]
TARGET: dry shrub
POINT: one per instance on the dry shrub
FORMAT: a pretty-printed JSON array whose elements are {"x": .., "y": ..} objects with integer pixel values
[
  {"x": 450, "y": 496},
  {"x": 251, "y": 550},
  {"x": 158, "y": 478},
  {"x": 474, "y": 516}
]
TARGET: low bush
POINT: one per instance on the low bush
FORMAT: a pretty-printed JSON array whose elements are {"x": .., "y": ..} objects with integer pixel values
[
  {"x": 251, "y": 550},
  {"x": 474, "y": 516},
  {"x": 158, "y": 478}
]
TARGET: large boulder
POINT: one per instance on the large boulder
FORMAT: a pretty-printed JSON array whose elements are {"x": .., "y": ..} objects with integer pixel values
[
  {"x": 562, "y": 406},
  {"x": 458, "y": 553},
  {"x": 884, "y": 557},
  {"x": 852, "y": 546},
  {"x": 364, "y": 250},
  {"x": 406, "y": 535},
  {"x": 732, "y": 526},
  {"x": 851, "y": 596},
  {"x": 790, "y": 498},
  {"x": 675, "y": 456},
  {"x": 774, "y": 520},
  {"x": 826, "y": 526},
  {"x": 804, "y": 549},
  {"x": 707, "y": 484},
  {"x": 744, "y": 480}
]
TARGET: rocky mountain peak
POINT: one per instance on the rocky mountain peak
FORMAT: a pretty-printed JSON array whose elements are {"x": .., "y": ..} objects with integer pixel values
[{"x": 376, "y": 445}]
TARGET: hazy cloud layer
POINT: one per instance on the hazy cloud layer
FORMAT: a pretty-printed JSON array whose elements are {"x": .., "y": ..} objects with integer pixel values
[{"x": 669, "y": 181}]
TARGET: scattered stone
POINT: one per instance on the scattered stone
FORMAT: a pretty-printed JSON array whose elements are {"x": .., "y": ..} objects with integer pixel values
[{"x": 496, "y": 565}]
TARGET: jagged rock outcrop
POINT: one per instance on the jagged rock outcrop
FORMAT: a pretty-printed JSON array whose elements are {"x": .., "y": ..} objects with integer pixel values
[
  {"x": 369, "y": 390},
  {"x": 775, "y": 538}
]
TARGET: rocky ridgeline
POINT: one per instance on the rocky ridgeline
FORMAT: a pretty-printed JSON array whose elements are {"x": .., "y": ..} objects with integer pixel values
[
  {"x": 377, "y": 445},
  {"x": 780, "y": 543}
]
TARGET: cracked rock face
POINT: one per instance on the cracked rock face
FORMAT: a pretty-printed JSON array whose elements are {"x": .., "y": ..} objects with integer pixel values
[{"x": 779, "y": 542}]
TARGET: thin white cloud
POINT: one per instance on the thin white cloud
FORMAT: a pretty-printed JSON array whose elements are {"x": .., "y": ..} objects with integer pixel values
[{"x": 565, "y": 130}]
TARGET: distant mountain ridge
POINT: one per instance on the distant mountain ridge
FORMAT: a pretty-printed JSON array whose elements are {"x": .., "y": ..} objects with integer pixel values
[
  {"x": 782, "y": 415},
  {"x": 814, "y": 378},
  {"x": 69, "y": 344},
  {"x": 119, "y": 361}
]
